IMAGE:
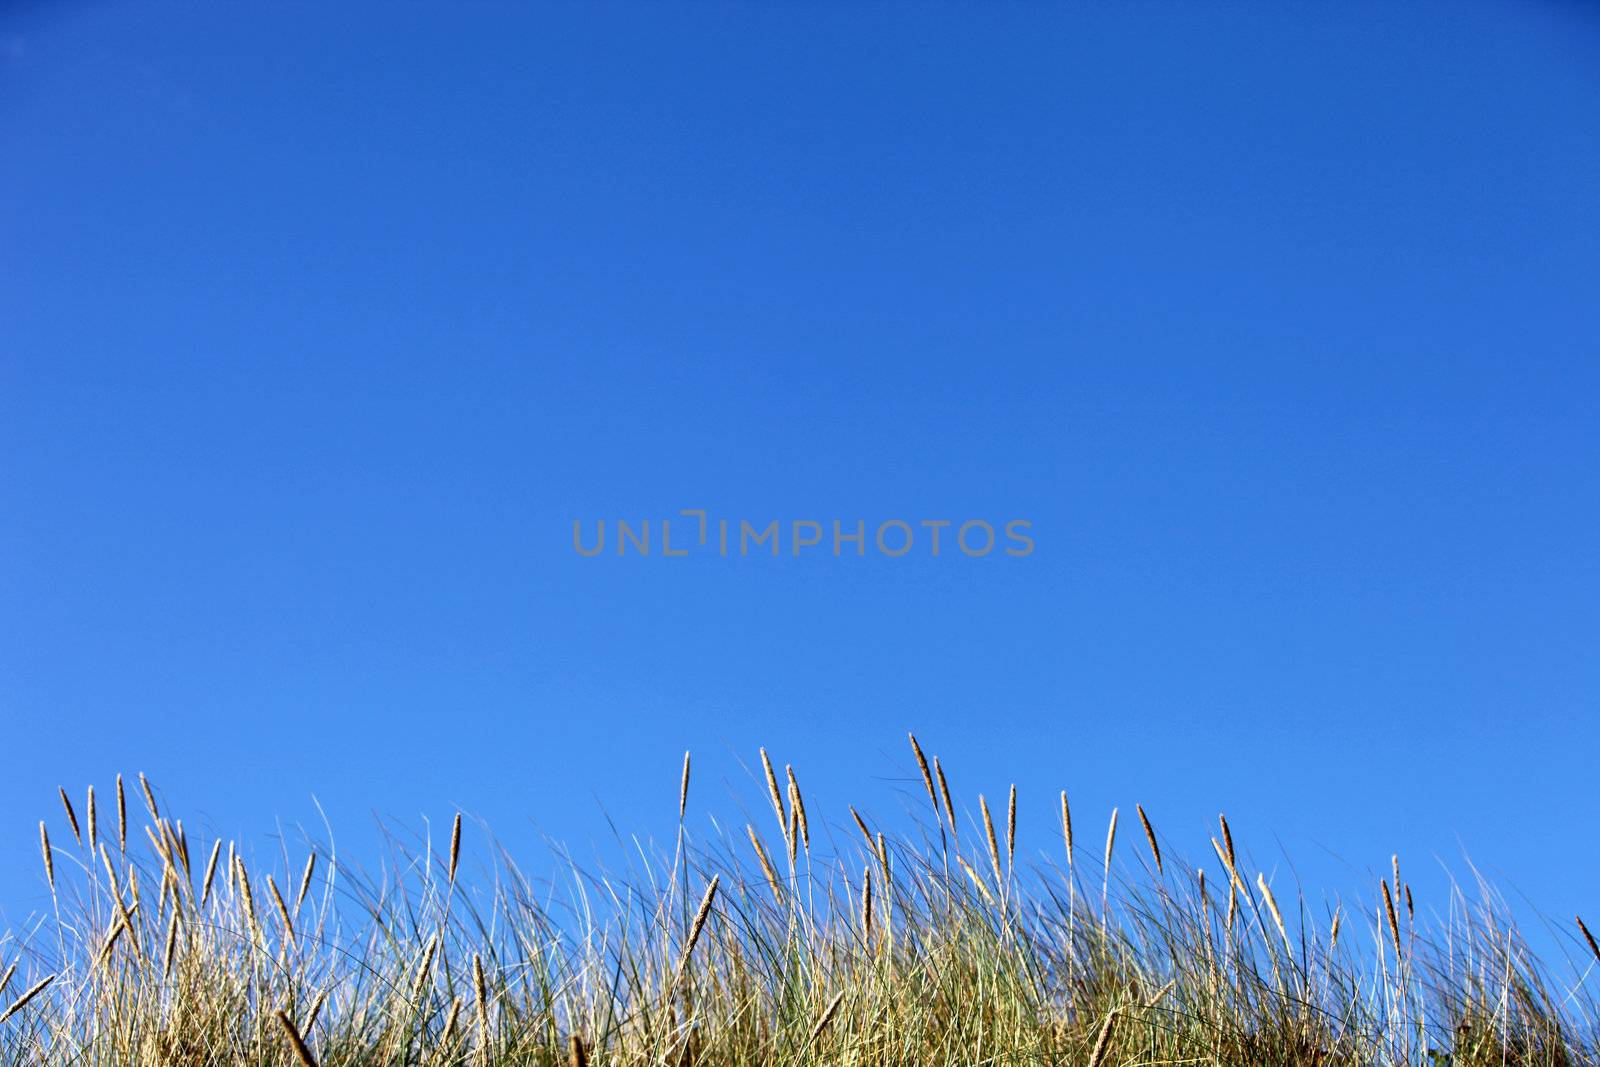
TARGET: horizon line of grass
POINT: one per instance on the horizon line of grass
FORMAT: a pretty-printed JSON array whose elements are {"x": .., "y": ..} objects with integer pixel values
[{"x": 761, "y": 947}]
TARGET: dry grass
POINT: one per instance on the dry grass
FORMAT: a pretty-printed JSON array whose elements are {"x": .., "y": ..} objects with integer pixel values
[{"x": 885, "y": 951}]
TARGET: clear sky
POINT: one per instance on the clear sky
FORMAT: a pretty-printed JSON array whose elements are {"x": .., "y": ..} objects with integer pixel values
[{"x": 320, "y": 325}]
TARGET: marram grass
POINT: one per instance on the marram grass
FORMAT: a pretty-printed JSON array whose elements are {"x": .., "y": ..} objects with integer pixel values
[{"x": 762, "y": 946}]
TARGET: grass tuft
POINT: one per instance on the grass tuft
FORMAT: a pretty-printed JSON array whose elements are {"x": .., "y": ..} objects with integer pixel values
[{"x": 876, "y": 950}]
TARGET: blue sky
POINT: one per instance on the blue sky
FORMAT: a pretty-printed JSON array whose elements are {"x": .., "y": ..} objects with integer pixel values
[{"x": 1278, "y": 322}]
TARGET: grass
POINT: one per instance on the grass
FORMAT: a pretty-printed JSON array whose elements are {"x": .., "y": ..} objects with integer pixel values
[{"x": 761, "y": 946}]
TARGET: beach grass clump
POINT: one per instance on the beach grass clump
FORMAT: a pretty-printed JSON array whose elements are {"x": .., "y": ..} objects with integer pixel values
[{"x": 794, "y": 939}]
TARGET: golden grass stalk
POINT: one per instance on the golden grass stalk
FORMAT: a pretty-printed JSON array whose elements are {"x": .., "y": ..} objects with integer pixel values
[
  {"x": 123, "y": 909},
  {"x": 110, "y": 943},
  {"x": 1227, "y": 863},
  {"x": 316, "y": 1008},
  {"x": 977, "y": 880},
  {"x": 149, "y": 798},
  {"x": 171, "y": 946},
  {"x": 122, "y": 817},
  {"x": 450, "y": 1021},
  {"x": 944, "y": 792},
  {"x": 301, "y": 1052},
  {"x": 866, "y": 904},
  {"x": 766, "y": 863},
  {"x": 1394, "y": 923},
  {"x": 89, "y": 816},
  {"x": 211, "y": 870},
  {"x": 283, "y": 909},
  {"x": 702, "y": 913},
  {"x": 994, "y": 846},
  {"x": 927, "y": 776},
  {"x": 1111, "y": 843},
  {"x": 1587, "y": 936},
  {"x": 1149, "y": 835},
  {"x": 455, "y": 847},
  {"x": 246, "y": 897},
  {"x": 1160, "y": 995},
  {"x": 425, "y": 971},
  {"x": 777, "y": 799},
  {"x": 797, "y": 805},
  {"x": 177, "y": 846},
  {"x": 1272, "y": 906},
  {"x": 1011, "y": 830},
  {"x": 826, "y": 1017},
  {"x": 72, "y": 816},
  {"x": 49, "y": 858},
  {"x": 1235, "y": 886},
  {"x": 1066, "y": 827},
  {"x": 305, "y": 881},
  {"x": 1102, "y": 1042},
  {"x": 793, "y": 835},
  {"x": 683, "y": 789},
  {"x": 159, "y": 847},
  {"x": 480, "y": 995},
  {"x": 861, "y": 824},
  {"x": 22, "y": 1001},
  {"x": 111, "y": 871}
]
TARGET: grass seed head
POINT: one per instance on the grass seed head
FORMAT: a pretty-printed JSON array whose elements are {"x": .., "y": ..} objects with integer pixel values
[
  {"x": 1394, "y": 923},
  {"x": 1011, "y": 829},
  {"x": 798, "y": 807},
  {"x": 1111, "y": 841},
  {"x": 683, "y": 789},
  {"x": 305, "y": 880},
  {"x": 122, "y": 817},
  {"x": 211, "y": 870},
  {"x": 49, "y": 857},
  {"x": 1102, "y": 1041},
  {"x": 72, "y": 816},
  {"x": 944, "y": 793},
  {"x": 1588, "y": 937},
  {"x": 149, "y": 798},
  {"x": 776, "y": 797},
  {"x": 1149, "y": 835},
  {"x": 1066, "y": 826},
  {"x": 296, "y": 1043},
  {"x": 22, "y": 1001},
  {"x": 927, "y": 777},
  {"x": 994, "y": 846}
]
